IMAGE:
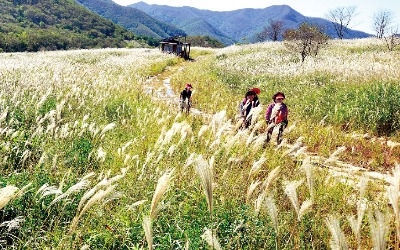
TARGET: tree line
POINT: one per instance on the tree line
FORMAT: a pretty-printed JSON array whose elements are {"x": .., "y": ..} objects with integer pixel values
[
  {"x": 29, "y": 25},
  {"x": 307, "y": 39}
]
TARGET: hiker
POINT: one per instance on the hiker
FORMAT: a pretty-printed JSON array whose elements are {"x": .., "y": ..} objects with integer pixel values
[
  {"x": 250, "y": 101},
  {"x": 276, "y": 115},
  {"x": 242, "y": 103},
  {"x": 186, "y": 94}
]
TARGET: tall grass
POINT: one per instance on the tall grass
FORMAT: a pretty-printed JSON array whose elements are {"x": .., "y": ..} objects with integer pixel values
[{"x": 81, "y": 127}]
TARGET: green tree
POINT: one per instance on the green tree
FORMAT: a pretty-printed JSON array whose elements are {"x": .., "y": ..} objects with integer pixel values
[{"x": 306, "y": 40}]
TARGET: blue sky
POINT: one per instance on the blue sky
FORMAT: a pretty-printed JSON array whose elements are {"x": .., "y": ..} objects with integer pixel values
[{"x": 313, "y": 8}]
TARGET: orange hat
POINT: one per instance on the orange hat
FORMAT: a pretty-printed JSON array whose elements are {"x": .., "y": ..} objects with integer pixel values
[{"x": 256, "y": 90}]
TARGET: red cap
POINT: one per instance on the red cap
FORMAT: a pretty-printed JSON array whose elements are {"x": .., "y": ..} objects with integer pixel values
[
  {"x": 188, "y": 85},
  {"x": 256, "y": 90}
]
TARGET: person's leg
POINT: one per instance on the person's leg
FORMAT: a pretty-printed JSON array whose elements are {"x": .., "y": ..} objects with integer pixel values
[
  {"x": 280, "y": 132},
  {"x": 269, "y": 134},
  {"x": 182, "y": 104},
  {"x": 245, "y": 124}
]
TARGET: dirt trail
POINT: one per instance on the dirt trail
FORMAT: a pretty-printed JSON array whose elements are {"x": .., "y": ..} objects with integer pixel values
[{"x": 160, "y": 89}]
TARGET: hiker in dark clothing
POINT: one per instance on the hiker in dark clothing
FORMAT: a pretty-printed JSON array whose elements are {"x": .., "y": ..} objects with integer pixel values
[
  {"x": 250, "y": 101},
  {"x": 186, "y": 94}
]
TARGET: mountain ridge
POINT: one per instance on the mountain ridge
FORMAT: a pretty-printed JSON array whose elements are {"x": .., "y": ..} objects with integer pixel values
[
  {"x": 236, "y": 25},
  {"x": 132, "y": 19}
]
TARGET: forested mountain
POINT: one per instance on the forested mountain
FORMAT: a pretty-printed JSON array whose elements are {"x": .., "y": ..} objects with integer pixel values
[
  {"x": 33, "y": 25},
  {"x": 235, "y": 26},
  {"x": 133, "y": 19}
]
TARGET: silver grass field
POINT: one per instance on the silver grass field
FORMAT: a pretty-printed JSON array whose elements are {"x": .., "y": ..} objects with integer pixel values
[{"x": 92, "y": 158}]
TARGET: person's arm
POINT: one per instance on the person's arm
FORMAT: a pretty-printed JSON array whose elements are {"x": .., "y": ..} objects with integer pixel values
[
  {"x": 268, "y": 113},
  {"x": 285, "y": 112}
]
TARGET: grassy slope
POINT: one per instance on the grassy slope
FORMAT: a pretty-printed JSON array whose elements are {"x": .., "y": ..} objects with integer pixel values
[{"x": 81, "y": 112}]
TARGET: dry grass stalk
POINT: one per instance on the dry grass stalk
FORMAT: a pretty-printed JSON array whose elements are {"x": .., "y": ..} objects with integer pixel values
[
  {"x": 91, "y": 192},
  {"x": 257, "y": 166},
  {"x": 379, "y": 226},
  {"x": 272, "y": 211},
  {"x": 202, "y": 130},
  {"x": 101, "y": 154},
  {"x": 334, "y": 156},
  {"x": 393, "y": 195},
  {"x": 108, "y": 127},
  {"x": 148, "y": 231},
  {"x": 305, "y": 207},
  {"x": 258, "y": 203},
  {"x": 96, "y": 198},
  {"x": 294, "y": 148},
  {"x": 291, "y": 192},
  {"x": 338, "y": 240},
  {"x": 73, "y": 189},
  {"x": 251, "y": 189},
  {"x": 356, "y": 222},
  {"x": 211, "y": 240},
  {"x": 23, "y": 190},
  {"x": 271, "y": 178},
  {"x": 3, "y": 116},
  {"x": 205, "y": 173},
  {"x": 187, "y": 243},
  {"x": 7, "y": 193},
  {"x": 136, "y": 204},
  {"x": 308, "y": 169},
  {"x": 13, "y": 224},
  {"x": 218, "y": 120},
  {"x": 161, "y": 188},
  {"x": 46, "y": 190}
]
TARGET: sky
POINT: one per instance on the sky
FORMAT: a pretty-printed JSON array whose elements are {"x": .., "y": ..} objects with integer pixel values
[{"x": 365, "y": 9}]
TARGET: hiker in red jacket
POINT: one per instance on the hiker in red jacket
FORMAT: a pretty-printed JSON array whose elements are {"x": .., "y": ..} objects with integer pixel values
[{"x": 276, "y": 115}]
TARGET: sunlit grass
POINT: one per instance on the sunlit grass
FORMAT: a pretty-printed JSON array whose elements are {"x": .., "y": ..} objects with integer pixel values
[{"x": 87, "y": 157}]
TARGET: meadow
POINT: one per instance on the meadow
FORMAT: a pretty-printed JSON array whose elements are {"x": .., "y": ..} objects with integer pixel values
[{"x": 90, "y": 159}]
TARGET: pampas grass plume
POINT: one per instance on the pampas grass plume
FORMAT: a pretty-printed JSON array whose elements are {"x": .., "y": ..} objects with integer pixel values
[
  {"x": 7, "y": 193},
  {"x": 305, "y": 207},
  {"x": 257, "y": 166},
  {"x": 338, "y": 240},
  {"x": 271, "y": 177},
  {"x": 162, "y": 186},
  {"x": 379, "y": 226},
  {"x": 290, "y": 191},
  {"x": 272, "y": 211},
  {"x": 205, "y": 173},
  {"x": 96, "y": 198},
  {"x": 211, "y": 239},
  {"x": 148, "y": 231},
  {"x": 251, "y": 189}
]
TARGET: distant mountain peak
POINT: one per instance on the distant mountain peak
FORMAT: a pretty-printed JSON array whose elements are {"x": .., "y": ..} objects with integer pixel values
[
  {"x": 236, "y": 25},
  {"x": 133, "y": 19}
]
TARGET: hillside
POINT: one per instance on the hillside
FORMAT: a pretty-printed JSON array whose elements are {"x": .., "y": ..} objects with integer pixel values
[
  {"x": 234, "y": 26},
  {"x": 96, "y": 154},
  {"x": 133, "y": 19},
  {"x": 33, "y": 25}
]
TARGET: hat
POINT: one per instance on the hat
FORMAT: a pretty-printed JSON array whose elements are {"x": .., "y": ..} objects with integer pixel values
[
  {"x": 256, "y": 90},
  {"x": 188, "y": 85}
]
